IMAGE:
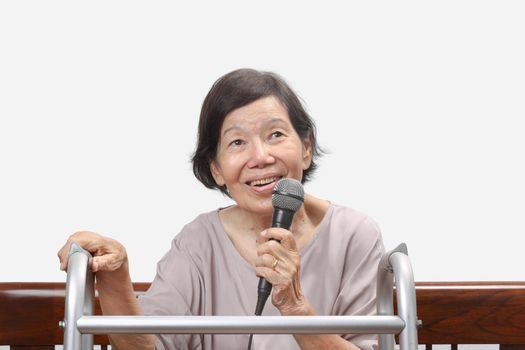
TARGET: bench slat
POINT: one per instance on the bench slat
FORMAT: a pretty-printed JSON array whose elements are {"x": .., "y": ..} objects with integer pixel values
[
  {"x": 471, "y": 313},
  {"x": 452, "y": 313}
]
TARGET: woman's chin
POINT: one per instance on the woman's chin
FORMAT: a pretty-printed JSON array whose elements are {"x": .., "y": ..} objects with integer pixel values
[{"x": 259, "y": 209}]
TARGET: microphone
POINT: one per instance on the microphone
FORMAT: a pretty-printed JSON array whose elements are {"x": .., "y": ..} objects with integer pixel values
[{"x": 287, "y": 198}]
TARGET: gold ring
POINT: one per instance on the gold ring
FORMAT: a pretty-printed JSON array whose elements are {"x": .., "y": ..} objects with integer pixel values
[{"x": 274, "y": 264}]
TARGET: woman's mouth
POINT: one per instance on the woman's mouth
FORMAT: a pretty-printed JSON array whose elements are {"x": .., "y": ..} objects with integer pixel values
[
  {"x": 261, "y": 185},
  {"x": 262, "y": 182}
]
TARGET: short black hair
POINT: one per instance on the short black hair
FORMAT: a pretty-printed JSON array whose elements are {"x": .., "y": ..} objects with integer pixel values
[{"x": 237, "y": 89}]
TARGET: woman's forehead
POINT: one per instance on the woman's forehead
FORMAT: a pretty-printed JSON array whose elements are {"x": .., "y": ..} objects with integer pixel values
[{"x": 264, "y": 111}]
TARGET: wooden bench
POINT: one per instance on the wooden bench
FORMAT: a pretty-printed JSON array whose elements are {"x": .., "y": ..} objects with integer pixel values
[{"x": 452, "y": 313}]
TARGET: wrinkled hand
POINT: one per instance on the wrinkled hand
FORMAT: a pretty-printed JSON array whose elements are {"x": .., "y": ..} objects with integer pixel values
[
  {"x": 108, "y": 254},
  {"x": 284, "y": 273}
]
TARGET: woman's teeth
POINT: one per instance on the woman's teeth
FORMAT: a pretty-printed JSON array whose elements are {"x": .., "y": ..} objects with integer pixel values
[{"x": 263, "y": 182}]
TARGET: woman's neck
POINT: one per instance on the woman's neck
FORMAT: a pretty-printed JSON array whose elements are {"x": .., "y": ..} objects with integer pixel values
[
  {"x": 305, "y": 219},
  {"x": 243, "y": 227}
]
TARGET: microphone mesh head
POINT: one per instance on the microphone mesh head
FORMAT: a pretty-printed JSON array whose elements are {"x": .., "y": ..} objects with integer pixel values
[{"x": 288, "y": 194}]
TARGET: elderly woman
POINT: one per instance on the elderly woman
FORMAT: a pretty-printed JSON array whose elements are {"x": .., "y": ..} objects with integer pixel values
[{"x": 253, "y": 131}]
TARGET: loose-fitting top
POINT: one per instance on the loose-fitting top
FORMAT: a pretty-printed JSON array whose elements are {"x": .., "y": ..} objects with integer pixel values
[{"x": 204, "y": 274}]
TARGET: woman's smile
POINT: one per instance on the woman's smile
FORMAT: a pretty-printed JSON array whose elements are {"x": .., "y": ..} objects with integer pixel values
[{"x": 264, "y": 185}]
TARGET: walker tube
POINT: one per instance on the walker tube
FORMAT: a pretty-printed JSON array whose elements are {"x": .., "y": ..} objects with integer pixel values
[
  {"x": 406, "y": 300},
  {"x": 385, "y": 295},
  {"x": 77, "y": 276},
  {"x": 89, "y": 307},
  {"x": 240, "y": 324}
]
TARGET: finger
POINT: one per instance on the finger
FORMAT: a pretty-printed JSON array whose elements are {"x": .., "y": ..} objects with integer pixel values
[
  {"x": 279, "y": 281},
  {"x": 98, "y": 263},
  {"x": 104, "y": 263},
  {"x": 272, "y": 247},
  {"x": 267, "y": 260},
  {"x": 63, "y": 255},
  {"x": 285, "y": 256},
  {"x": 285, "y": 237},
  {"x": 62, "y": 258},
  {"x": 89, "y": 241},
  {"x": 268, "y": 274},
  {"x": 271, "y": 233}
]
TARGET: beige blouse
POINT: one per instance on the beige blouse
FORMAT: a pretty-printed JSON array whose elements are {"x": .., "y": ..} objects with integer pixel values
[{"x": 203, "y": 274}]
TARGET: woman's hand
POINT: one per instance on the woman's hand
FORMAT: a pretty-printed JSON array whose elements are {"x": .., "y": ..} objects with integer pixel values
[
  {"x": 117, "y": 296},
  {"x": 108, "y": 254},
  {"x": 279, "y": 262}
]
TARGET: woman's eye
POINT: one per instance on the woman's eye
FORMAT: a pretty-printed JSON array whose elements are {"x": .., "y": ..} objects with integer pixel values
[
  {"x": 276, "y": 134},
  {"x": 237, "y": 142}
]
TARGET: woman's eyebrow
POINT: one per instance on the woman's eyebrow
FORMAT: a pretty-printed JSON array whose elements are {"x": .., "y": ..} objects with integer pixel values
[
  {"x": 275, "y": 120},
  {"x": 271, "y": 122},
  {"x": 231, "y": 128}
]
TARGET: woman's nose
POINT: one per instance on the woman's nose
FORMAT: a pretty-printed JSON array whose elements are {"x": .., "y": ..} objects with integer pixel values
[{"x": 260, "y": 155}]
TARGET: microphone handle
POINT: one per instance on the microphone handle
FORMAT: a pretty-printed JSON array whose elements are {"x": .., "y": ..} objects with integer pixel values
[
  {"x": 263, "y": 292},
  {"x": 281, "y": 218}
]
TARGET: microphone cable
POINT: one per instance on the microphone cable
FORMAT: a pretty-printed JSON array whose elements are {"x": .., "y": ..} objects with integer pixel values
[
  {"x": 250, "y": 342},
  {"x": 263, "y": 291}
]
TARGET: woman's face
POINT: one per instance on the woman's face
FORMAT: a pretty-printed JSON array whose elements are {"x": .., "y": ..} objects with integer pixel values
[{"x": 258, "y": 145}]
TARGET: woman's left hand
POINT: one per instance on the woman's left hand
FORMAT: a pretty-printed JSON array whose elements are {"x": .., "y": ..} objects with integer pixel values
[{"x": 279, "y": 262}]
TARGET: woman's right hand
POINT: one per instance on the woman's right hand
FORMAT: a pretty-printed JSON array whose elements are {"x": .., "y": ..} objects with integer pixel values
[
  {"x": 116, "y": 293},
  {"x": 108, "y": 254}
]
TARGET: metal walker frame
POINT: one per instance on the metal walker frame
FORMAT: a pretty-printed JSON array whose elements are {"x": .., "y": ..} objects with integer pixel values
[{"x": 80, "y": 325}]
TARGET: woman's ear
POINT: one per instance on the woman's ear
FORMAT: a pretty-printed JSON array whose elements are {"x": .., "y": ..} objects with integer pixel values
[
  {"x": 307, "y": 152},
  {"x": 216, "y": 173}
]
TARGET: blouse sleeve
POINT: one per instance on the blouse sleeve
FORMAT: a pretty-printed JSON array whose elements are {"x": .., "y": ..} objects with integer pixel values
[
  {"x": 358, "y": 291},
  {"x": 175, "y": 291}
]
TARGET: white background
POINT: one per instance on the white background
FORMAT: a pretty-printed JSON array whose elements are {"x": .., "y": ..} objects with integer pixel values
[{"x": 419, "y": 104}]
